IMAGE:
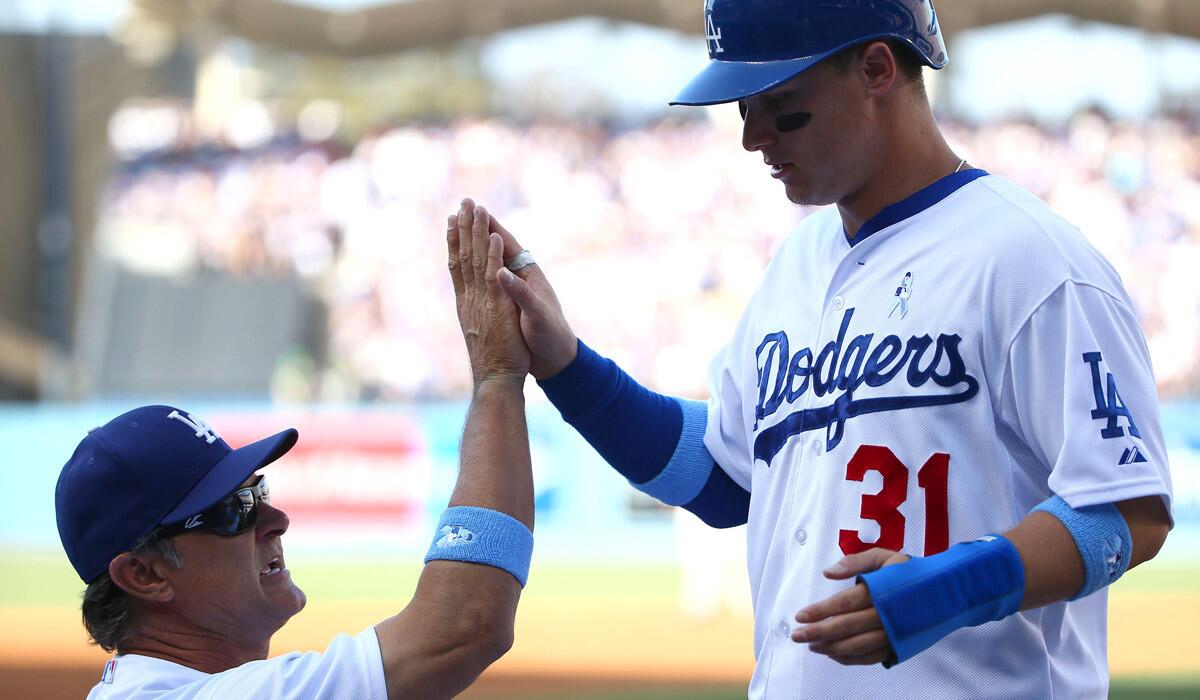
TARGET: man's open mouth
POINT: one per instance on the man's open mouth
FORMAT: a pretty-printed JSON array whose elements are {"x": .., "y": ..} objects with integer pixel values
[{"x": 273, "y": 567}]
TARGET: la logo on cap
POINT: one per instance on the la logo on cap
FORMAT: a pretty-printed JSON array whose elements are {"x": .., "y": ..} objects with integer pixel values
[{"x": 203, "y": 429}]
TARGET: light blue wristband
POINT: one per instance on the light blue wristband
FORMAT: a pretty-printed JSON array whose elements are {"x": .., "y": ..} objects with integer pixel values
[
  {"x": 1102, "y": 536},
  {"x": 925, "y": 599},
  {"x": 690, "y": 466},
  {"x": 482, "y": 536}
]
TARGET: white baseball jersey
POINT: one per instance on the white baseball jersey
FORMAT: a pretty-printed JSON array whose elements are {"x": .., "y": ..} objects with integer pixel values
[
  {"x": 968, "y": 357},
  {"x": 351, "y": 667}
]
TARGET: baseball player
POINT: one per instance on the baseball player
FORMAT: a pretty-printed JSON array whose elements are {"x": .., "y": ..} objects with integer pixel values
[
  {"x": 182, "y": 549},
  {"x": 937, "y": 413}
]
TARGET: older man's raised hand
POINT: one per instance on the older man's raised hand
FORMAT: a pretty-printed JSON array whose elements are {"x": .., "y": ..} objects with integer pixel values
[{"x": 487, "y": 315}]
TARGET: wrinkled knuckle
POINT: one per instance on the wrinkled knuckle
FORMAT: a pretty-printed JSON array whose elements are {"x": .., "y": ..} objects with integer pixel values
[{"x": 857, "y": 647}]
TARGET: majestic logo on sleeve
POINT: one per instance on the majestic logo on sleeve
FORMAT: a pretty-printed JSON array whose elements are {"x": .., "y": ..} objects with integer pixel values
[
  {"x": 842, "y": 368},
  {"x": 1108, "y": 402},
  {"x": 1131, "y": 455}
]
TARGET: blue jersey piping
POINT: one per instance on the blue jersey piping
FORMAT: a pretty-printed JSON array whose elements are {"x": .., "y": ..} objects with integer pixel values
[{"x": 915, "y": 203}]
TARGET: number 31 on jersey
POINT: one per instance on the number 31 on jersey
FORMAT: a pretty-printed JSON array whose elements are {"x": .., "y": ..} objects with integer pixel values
[{"x": 884, "y": 507}]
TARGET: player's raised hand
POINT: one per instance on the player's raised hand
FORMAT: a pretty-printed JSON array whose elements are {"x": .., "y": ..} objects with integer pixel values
[
  {"x": 543, "y": 324},
  {"x": 488, "y": 317},
  {"x": 845, "y": 627}
]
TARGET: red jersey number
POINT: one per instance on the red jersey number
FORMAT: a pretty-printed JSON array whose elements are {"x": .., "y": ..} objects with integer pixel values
[{"x": 884, "y": 507}]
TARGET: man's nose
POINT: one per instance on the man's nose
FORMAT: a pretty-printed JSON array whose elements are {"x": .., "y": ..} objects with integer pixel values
[
  {"x": 757, "y": 131},
  {"x": 271, "y": 520}
]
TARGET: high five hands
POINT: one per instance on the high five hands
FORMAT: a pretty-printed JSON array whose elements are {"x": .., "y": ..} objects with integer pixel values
[{"x": 548, "y": 336}]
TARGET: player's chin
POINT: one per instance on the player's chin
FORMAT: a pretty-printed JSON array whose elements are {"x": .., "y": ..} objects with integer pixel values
[
  {"x": 298, "y": 599},
  {"x": 805, "y": 196}
]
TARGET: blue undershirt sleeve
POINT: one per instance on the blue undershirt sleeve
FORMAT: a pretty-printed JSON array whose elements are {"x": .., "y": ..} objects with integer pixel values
[{"x": 654, "y": 441}]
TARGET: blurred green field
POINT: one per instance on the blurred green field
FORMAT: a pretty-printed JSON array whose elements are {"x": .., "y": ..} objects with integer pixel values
[
  {"x": 47, "y": 579},
  {"x": 629, "y": 615}
]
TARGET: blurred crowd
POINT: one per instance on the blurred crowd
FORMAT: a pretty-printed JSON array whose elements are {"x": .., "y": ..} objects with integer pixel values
[{"x": 654, "y": 236}]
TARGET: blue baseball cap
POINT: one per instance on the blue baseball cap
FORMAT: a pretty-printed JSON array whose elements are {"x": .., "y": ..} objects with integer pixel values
[
  {"x": 757, "y": 45},
  {"x": 152, "y": 466}
]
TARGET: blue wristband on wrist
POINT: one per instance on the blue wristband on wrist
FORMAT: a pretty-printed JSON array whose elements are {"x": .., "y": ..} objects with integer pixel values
[
  {"x": 482, "y": 536},
  {"x": 1102, "y": 536},
  {"x": 686, "y": 473},
  {"x": 925, "y": 599}
]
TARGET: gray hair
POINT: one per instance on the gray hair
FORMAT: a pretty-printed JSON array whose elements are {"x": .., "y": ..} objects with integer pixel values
[{"x": 108, "y": 610}]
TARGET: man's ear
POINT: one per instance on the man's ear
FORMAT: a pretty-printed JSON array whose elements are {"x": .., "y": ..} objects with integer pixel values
[
  {"x": 145, "y": 577},
  {"x": 879, "y": 68}
]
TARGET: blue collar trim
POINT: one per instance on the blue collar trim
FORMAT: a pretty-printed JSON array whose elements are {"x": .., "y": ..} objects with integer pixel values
[{"x": 915, "y": 203}]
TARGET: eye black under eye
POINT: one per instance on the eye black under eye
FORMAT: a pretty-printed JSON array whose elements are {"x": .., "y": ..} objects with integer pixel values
[{"x": 793, "y": 122}]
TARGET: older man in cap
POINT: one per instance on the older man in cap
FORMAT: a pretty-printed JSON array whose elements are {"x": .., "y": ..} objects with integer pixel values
[{"x": 181, "y": 549}]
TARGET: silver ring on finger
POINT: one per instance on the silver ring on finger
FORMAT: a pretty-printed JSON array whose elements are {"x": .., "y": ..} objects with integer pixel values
[{"x": 522, "y": 259}]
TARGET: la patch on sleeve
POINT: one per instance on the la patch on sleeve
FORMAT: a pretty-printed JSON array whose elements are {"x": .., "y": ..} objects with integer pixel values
[{"x": 1110, "y": 408}]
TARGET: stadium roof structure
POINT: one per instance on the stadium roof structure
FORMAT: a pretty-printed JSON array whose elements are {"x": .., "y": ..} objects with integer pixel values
[{"x": 385, "y": 28}]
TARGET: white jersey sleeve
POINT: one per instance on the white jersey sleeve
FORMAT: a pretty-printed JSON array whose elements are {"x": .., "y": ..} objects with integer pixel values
[
  {"x": 350, "y": 667},
  {"x": 725, "y": 434},
  {"x": 1078, "y": 389}
]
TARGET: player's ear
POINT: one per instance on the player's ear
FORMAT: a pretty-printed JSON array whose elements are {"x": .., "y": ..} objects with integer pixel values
[
  {"x": 877, "y": 68},
  {"x": 142, "y": 576}
]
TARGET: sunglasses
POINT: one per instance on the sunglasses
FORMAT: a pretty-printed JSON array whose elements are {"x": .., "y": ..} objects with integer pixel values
[{"x": 232, "y": 515}]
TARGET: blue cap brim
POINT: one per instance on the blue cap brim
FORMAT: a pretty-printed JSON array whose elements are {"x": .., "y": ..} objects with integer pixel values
[
  {"x": 230, "y": 472},
  {"x": 728, "y": 81}
]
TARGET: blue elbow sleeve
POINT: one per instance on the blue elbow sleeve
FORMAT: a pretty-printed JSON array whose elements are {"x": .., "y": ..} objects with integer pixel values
[
  {"x": 687, "y": 471},
  {"x": 654, "y": 441}
]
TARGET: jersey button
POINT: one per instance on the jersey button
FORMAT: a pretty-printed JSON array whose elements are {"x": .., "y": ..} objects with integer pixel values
[
  {"x": 785, "y": 629},
  {"x": 818, "y": 449},
  {"x": 839, "y": 303},
  {"x": 801, "y": 535}
]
